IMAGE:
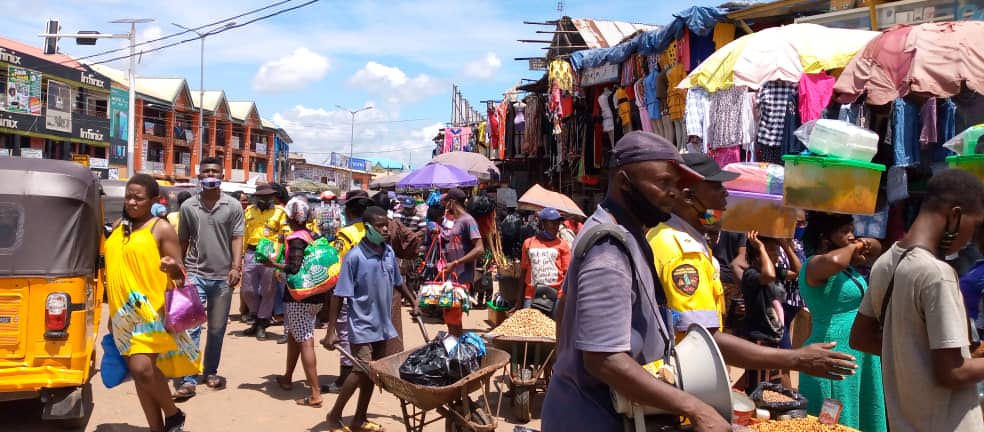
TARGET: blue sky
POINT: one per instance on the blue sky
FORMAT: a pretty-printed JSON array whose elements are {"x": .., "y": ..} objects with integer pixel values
[{"x": 401, "y": 57}]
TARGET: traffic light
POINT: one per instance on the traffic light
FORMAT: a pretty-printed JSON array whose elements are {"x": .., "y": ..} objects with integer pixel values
[
  {"x": 86, "y": 41},
  {"x": 51, "y": 42}
]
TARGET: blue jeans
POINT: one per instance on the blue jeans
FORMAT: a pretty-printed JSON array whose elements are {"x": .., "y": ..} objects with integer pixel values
[{"x": 217, "y": 298}]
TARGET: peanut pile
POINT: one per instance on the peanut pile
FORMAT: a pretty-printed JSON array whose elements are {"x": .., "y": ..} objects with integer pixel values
[
  {"x": 808, "y": 424},
  {"x": 527, "y": 323},
  {"x": 774, "y": 397}
]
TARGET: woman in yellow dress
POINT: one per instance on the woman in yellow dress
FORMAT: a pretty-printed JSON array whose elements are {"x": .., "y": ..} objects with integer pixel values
[{"x": 143, "y": 257}]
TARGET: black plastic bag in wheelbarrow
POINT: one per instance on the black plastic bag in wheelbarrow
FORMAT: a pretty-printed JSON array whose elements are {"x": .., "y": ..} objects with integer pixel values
[
  {"x": 427, "y": 366},
  {"x": 466, "y": 357}
]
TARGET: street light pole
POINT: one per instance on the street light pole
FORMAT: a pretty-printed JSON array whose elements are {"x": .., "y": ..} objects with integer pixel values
[
  {"x": 201, "y": 88},
  {"x": 352, "y": 139}
]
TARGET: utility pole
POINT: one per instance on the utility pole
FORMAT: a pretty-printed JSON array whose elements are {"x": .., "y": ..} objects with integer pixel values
[
  {"x": 352, "y": 139},
  {"x": 201, "y": 88},
  {"x": 88, "y": 38}
]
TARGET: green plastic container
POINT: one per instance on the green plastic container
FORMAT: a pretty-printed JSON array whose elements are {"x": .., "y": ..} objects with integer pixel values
[
  {"x": 831, "y": 184},
  {"x": 972, "y": 163}
]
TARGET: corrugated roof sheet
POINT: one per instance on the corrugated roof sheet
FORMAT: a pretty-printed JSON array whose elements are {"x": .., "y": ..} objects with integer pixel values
[
  {"x": 213, "y": 99},
  {"x": 240, "y": 110},
  {"x": 165, "y": 89},
  {"x": 604, "y": 34}
]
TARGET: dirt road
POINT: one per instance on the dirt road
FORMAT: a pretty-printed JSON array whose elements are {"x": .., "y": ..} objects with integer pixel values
[{"x": 251, "y": 402}]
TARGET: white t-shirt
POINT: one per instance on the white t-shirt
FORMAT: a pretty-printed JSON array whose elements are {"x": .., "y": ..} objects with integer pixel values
[{"x": 926, "y": 313}]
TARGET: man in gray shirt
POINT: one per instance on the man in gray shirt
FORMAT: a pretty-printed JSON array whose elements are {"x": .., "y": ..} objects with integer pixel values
[{"x": 211, "y": 234}]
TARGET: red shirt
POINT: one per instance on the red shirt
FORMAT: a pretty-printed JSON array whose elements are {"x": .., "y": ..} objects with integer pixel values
[{"x": 545, "y": 262}]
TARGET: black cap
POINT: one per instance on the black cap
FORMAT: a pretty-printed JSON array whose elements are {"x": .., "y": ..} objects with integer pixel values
[
  {"x": 639, "y": 146},
  {"x": 356, "y": 194},
  {"x": 265, "y": 189},
  {"x": 455, "y": 194},
  {"x": 708, "y": 168}
]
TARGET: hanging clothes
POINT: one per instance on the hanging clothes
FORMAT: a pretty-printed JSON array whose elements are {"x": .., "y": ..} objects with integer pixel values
[
  {"x": 928, "y": 115},
  {"x": 946, "y": 123},
  {"x": 725, "y": 156},
  {"x": 724, "y": 33},
  {"x": 749, "y": 124},
  {"x": 624, "y": 108},
  {"x": 676, "y": 99},
  {"x": 905, "y": 130},
  {"x": 815, "y": 91},
  {"x": 607, "y": 117},
  {"x": 561, "y": 74},
  {"x": 701, "y": 47},
  {"x": 509, "y": 132},
  {"x": 774, "y": 99},
  {"x": 698, "y": 113},
  {"x": 683, "y": 50},
  {"x": 640, "y": 102},
  {"x": 650, "y": 95},
  {"x": 493, "y": 128},
  {"x": 533, "y": 131},
  {"x": 725, "y": 118},
  {"x": 519, "y": 129}
]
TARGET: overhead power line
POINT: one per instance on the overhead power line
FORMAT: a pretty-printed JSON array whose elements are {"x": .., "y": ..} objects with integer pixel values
[
  {"x": 172, "y": 35},
  {"x": 224, "y": 29}
]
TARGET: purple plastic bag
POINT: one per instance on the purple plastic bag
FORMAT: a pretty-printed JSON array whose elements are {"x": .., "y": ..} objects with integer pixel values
[{"x": 183, "y": 309}]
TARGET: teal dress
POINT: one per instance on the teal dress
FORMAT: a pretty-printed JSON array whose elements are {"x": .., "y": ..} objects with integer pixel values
[{"x": 833, "y": 308}]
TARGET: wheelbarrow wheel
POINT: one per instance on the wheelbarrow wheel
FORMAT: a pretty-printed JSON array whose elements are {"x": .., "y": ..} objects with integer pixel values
[{"x": 521, "y": 397}]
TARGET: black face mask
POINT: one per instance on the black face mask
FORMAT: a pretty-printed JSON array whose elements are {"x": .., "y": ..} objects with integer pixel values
[
  {"x": 649, "y": 214},
  {"x": 264, "y": 204}
]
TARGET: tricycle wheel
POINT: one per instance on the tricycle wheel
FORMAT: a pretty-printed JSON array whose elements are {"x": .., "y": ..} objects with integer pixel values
[{"x": 521, "y": 397}]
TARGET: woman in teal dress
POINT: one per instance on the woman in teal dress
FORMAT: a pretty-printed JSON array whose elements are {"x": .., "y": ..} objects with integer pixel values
[{"x": 832, "y": 290}]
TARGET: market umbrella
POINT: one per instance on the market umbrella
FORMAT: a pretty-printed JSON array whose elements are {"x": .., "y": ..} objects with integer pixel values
[
  {"x": 387, "y": 181},
  {"x": 928, "y": 60},
  {"x": 476, "y": 164},
  {"x": 538, "y": 197},
  {"x": 777, "y": 53},
  {"x": 436, "y": 175}
]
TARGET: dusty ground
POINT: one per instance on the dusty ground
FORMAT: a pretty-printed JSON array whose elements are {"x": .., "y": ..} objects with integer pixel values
[{"x": 252, "y": 401}]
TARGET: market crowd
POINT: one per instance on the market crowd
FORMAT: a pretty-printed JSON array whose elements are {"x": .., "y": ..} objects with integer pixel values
[{"x": 885, "y": 325}]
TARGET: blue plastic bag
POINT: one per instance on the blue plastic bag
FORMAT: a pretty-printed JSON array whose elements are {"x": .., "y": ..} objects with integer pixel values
[{"x": 113, "y": 368}]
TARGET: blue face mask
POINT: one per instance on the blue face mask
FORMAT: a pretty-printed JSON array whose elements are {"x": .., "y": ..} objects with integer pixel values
[
  {"x": 547, "y": 236},
  {"x": 799, "y": 233},
  {"x": 210, "y": 183}
]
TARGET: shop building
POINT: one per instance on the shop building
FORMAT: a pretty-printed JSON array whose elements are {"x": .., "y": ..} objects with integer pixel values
[
  {"x": 54, "y": 107},
  {"x": 334, "y": 175}
]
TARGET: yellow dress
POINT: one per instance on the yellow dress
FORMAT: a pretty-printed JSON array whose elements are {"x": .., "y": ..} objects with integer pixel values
[{"x": 135, "y": 288}]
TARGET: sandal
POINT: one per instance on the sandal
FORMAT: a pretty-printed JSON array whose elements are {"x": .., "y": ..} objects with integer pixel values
[
  {"x": 184, "y": 392},
  {"x": 307, "y": 402},
  {"x": 215, "y": 382},
  {"x": 284, "y": 385},
  {"x": 369, "y": 426}
]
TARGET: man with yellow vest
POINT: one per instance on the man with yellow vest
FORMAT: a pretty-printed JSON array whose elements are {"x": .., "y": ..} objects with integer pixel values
[
  {"x": 356, "y": 202},
  {"x": 264, "y": 219},
  {"x": 685, "y": 265}
]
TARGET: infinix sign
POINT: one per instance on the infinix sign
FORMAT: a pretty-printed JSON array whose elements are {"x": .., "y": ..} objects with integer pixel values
[
  {"x": 92, "y": 80},
  {"x": 12, "y": 57},
  {"x": 9, "y": 123},
  {"x": 91, "y": 134}
]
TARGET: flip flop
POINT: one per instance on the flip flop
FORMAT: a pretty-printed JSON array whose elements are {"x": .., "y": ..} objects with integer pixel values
[
  {"x": 284, "y": 386},
  {"x": 215, "y": 382},
  {"x": 307, "y": 402},
  {"x": 184, "y": 392},
  {"x": 369, "y": 426}
]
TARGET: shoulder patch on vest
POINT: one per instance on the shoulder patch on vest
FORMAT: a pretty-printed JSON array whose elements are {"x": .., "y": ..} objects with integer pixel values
[{"x": 686, "y": 279}]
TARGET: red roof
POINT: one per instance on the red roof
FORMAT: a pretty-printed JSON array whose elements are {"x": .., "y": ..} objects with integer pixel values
[{"x": 34, "y": 51}]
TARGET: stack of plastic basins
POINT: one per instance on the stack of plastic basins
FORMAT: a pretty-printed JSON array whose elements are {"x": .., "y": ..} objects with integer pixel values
[
  {"x": 971, "y": 158},
  {"x": 755, "y": 201}
]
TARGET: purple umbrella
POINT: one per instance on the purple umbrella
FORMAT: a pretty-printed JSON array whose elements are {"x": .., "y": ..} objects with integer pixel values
[{"x": 436, "y": 175}]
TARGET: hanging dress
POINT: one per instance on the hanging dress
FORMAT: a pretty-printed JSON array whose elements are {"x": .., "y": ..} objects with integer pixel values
[{"x": 135, "y": 289}]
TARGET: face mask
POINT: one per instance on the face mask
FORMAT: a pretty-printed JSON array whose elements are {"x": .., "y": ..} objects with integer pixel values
[
  {"x": 648, "y": 213},
  {"x": 800, "y": 231},
  {"x": 373, "y": 236},
  {"x": 711, "y": 217},
  {"x": 210, "y": 183},
  {"x": 264, "y": 203},
  {"x": 547, "y": 236}
]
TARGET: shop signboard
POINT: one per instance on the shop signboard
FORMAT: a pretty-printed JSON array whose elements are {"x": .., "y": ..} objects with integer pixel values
[
  {"x": 604, "y": 74},
  {"x": 98, "y": 163},
  {"x": 32, "y": 153},
  {"x": 356, "y": 164},
  {"x": 58, "y": 115},
  {"x": 117, "y": 152},
  {"x": 23, "y": 93},
  {"x": 119, "y": 107},
  {"x": 81, "y": 159}
]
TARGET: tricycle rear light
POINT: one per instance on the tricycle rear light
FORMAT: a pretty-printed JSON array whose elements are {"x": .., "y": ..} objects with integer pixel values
[{"x": 56, "y": 312}]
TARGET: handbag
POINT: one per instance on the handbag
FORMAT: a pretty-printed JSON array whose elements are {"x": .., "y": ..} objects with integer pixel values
[
  {"x": 183, "y": 308},
  {"x": 112, "y": 367}
]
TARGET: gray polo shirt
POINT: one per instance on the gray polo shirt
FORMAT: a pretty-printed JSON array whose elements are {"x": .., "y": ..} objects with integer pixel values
[
  {"x": 608, "y": 310},
  {"x": 210, "y": 234}
]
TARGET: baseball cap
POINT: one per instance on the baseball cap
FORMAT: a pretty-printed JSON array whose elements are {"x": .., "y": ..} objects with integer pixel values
[
  {"x": 550, "y": 214},
  {"x": 407, "y": 201},
  {"x": 455, "y": 194},
  {"x": 265, "y": 189},
  {"x": 639, "y": 146},
  {"x": 708, "y": 168},
  {"x": 356, "y": 194}
]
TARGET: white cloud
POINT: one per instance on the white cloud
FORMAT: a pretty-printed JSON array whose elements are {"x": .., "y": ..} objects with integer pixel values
[
  {"x": 317, "y": 132},
  {"x": 484, "y": 68},
  {"x": 393, "y": 84},
  {"x": 291, "y": 72}
]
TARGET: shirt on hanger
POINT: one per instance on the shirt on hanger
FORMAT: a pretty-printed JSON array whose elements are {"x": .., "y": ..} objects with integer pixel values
[
  {"x": 815, "y": 91},
  {"x": 608, "y": 119}
]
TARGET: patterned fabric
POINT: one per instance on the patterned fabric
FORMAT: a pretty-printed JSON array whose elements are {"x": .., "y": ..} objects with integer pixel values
[
  {"x": 697, "y": 112},
  {"x": 774, "y": 99},
  {"x": 725, "y": 156},
  {"x": 299, "y": 319},
  {"x": 725, "y": 118}
]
